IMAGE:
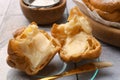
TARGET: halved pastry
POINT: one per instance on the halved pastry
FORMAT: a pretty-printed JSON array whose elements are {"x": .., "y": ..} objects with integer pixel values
[
  {"x": 76, "y": 38},
  {"x": 31, "y": 49}
]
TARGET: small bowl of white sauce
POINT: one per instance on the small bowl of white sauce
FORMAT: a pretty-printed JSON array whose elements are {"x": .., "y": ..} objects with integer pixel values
[{"x": 43, "y": 12}]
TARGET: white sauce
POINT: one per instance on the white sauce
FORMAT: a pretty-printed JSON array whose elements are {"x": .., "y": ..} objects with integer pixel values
[{"x": 43, "y": 2}]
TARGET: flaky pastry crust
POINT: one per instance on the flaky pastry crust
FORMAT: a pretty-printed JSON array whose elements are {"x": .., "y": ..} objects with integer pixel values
[
  {"x": 104, "y": 5},
  {"x": 25, "y": 55},
  {"x": 107, "y": 9},
  {"x": 76, "y": 38}
]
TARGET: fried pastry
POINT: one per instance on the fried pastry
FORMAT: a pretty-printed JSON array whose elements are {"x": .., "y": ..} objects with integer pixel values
[
  {"x": 76, "y": 38},
  {"x": 107, "y": 9},
  {"x": 31, "y": 49}
]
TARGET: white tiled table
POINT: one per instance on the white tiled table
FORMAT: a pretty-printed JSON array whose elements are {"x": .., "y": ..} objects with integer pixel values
[{"x": 12, "y": 18}]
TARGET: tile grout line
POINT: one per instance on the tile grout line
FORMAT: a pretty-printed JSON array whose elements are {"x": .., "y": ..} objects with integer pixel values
[
  {"x": 2, "y": 42},
  {"x": 4, "y": 14}
]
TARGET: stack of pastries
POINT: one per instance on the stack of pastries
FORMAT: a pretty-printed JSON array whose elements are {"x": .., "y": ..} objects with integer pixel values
[
  {"x": 107, "y": 9},
  {"x": 31, "y": 49}
]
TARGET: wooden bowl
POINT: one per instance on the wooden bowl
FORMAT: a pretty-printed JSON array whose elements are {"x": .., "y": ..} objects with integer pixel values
[
  {"x": 43, "y": 16},
  {"x": 105, "y": 33}
]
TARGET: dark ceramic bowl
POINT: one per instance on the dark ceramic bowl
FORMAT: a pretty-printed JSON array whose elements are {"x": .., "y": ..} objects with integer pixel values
[{"x": 43, "y": 16}]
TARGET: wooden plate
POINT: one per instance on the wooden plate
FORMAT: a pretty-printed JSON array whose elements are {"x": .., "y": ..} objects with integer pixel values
[{"x": 105, "y": 33}]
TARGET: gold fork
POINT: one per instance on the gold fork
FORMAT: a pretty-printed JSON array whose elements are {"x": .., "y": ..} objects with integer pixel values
[{"x": 82, "y": 69}]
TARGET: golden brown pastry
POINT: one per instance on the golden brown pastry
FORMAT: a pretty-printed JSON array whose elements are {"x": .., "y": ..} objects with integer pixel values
[
  {"x": 31, "y": 49},
  {"x": 107, "y": 9},
  {"x": 76, "y": 38}
]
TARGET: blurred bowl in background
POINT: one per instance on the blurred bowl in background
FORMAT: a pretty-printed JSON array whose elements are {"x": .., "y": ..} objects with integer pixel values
[{"x": 43, "y": 16}]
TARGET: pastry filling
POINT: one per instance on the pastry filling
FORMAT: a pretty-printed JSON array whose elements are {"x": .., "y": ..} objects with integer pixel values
[
  {"x": 78, "y": 34},
  {"x": 77, "y": 44},
  {"x": 35, "y": 45}
]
